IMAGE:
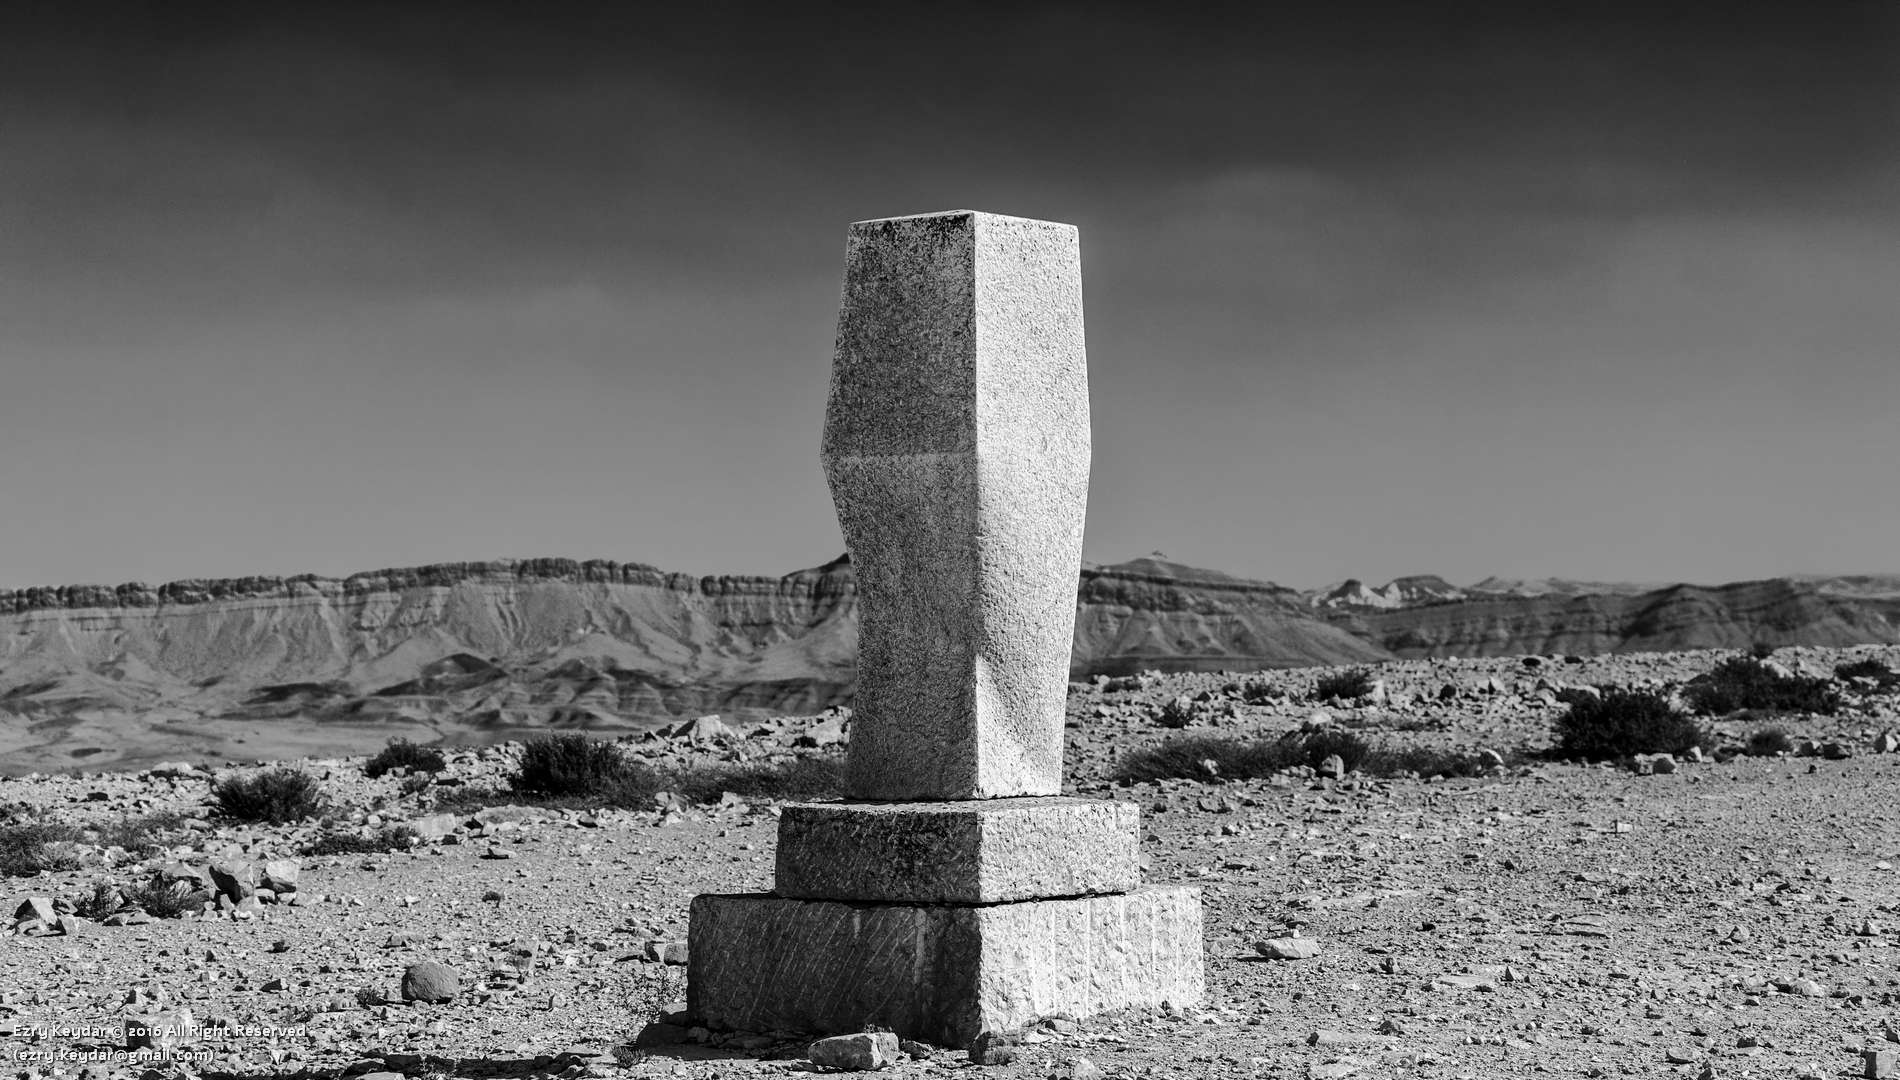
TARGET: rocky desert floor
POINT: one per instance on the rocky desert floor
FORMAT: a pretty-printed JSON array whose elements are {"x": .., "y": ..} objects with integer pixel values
[{"x": 1737, "y": 917}]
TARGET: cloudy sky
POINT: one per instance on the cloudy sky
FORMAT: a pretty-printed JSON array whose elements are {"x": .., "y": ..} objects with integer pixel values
[{"x": 1603, "y": 291}]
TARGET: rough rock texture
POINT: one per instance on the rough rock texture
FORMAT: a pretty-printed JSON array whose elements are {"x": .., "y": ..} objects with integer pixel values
[
  {"x": 856, "y": 1053},
  {"x": 428, "y": 980},
  {"x": 957, "y": 449},
  {"x": 967, "y": 852},
  {"x": 1779, "y": 611},
  {"x": 938, "y": 973}
]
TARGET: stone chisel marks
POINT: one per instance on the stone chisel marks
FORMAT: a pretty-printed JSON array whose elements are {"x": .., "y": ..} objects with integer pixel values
[
  {"x": 956, "y": 446},
  {"x": 941, "y": 973},
  {"x": 977, "y": 851}
]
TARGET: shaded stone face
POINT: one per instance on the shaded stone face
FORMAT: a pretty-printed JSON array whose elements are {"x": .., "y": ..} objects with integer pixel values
[
  {"x": 957, "y": 450},
  {"x": 968, "y": 851},
  {"x": 940, "y": 973}
]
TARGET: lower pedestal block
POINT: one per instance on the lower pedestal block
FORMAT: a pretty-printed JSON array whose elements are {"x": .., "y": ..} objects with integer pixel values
[{"x": 938, "y": 972}]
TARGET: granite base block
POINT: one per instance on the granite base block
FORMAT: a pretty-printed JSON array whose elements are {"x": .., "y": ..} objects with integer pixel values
[
  {"x": 969, "y": 852},
  {"x": 939, "y": 973}
]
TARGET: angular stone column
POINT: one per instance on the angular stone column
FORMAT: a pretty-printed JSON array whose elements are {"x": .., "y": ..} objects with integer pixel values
[{"x": 960, "y": 896}]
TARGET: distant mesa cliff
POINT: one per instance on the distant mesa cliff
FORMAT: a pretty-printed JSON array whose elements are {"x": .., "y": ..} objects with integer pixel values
[{"x": 557, "y": 643}]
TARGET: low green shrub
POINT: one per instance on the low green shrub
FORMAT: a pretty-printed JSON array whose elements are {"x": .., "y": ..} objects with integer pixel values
[
  {"x": 1743, "y": 682},
  {"x": 142, "y": 835},
  {"x": 105, "y": 899},
  {"x": 277, "y": 796},
  {"x": 813, "y": 777},
  {"x": 27, "y": 849},
  {"x": 1869, "y": 668},
  {"x": 1623, "y": 723},
  {"x": 1768, "y": 742},
  {"x": 1422, "y": 761},
  {"x": 1190, "y": 757},
  {"x": 570, "y": 764},
  {"x": 401, "y": 753},
  {"x": 1177, "y": 713},
  {"x": 342, "y": 842},
  {"x": 1344, "y": 686},
  {"x": 162, "y": 899}
]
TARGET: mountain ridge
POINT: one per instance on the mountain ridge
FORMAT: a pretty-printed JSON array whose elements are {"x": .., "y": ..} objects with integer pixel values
[{"x": 488, "y": 650}]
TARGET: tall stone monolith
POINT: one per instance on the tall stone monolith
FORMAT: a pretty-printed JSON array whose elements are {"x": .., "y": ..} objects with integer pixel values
[
  {"x": 954, "y": 891},
  {"x": 957, "y": 449}
]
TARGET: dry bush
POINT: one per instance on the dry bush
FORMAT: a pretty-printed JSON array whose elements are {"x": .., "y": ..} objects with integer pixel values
[{"x": 1624, "y": 723}]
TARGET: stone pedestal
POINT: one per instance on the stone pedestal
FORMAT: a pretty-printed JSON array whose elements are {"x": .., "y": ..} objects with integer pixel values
[{"x": 940, "y": 973}]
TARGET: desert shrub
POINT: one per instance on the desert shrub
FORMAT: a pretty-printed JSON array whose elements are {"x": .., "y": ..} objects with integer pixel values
[
  {"x": 1422, "y": 761},
  {"x": 27, "y": 849},
  {"x": 342, "y": 842},
  {"x": 814, "y": 777},
  {"x": 1742, "y": 682},
  {"x": 1344, "y": 685},
  {"x": 401, "y": 753},
  {"x": 1239, "y": 759},
  {"x": 1761, "y": 650},
  {"x": 1177, "y": 713},
  {"x": 105, "y": 899},
  {"x": 142, "y": 835},
  {"x": 162, "y": 899},
  {"x": 1570, "y": 695},
  {"x": 277, "y": 796},
  {"x": 1259, "y": 693},
  {"x": 1623, "y": 723},
  {"x": 1868, "y": 669},
  {"x": 569, "y": 764},
  {"x": 1768, "y": 742}
]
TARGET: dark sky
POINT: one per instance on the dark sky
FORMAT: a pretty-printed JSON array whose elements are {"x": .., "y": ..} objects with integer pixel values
[{"x": 1602, "y": 291}]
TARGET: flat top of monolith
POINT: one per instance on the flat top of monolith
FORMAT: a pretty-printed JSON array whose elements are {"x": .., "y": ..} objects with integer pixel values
[{"x": 959, "y": 213}]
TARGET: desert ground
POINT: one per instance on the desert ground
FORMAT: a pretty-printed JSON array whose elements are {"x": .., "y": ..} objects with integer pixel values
[{"x": 1735, "y": 917}]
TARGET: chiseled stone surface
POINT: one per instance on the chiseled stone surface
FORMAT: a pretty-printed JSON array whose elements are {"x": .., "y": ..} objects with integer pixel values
[
  {"x": 939, "y": 973},
  {"x": 956, "y": 446},
  {"x": 981, "y": 851}
]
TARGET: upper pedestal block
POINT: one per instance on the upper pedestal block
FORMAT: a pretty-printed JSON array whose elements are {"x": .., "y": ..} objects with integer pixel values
[
  {"x": 984, "y": 851},
  {"x": 956, "y": 446}
]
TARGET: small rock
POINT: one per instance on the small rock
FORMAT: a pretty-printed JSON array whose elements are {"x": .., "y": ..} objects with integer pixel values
[
  {"x": 280, "y": 875},
  {"x": 1662, "y": 764},
  {"x": 1080, "y": 1068},
  {"x": 430, "y": 981},
  {"x": 1888, "y": 742},
  {"x": 1836, "y": 751},
  {"x": 36, "y": 907},
  {"x": 1334, "y": 767},
  {"x": 1288, "y": 948},
  {"x": 435, "y": 827},
  {"x": 857, "y": 1053},
  {"x": 994, "y": 1048},
  {"x": 1807, "y": 988}
]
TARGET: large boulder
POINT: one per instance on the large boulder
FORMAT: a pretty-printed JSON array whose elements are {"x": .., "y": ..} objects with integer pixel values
[
  {"x": 430, "y": 981},
  {"x": 234, "y": 878}
]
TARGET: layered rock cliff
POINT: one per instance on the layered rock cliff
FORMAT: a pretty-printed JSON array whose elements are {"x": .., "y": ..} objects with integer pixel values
[{"x": 488, "y": 650}]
